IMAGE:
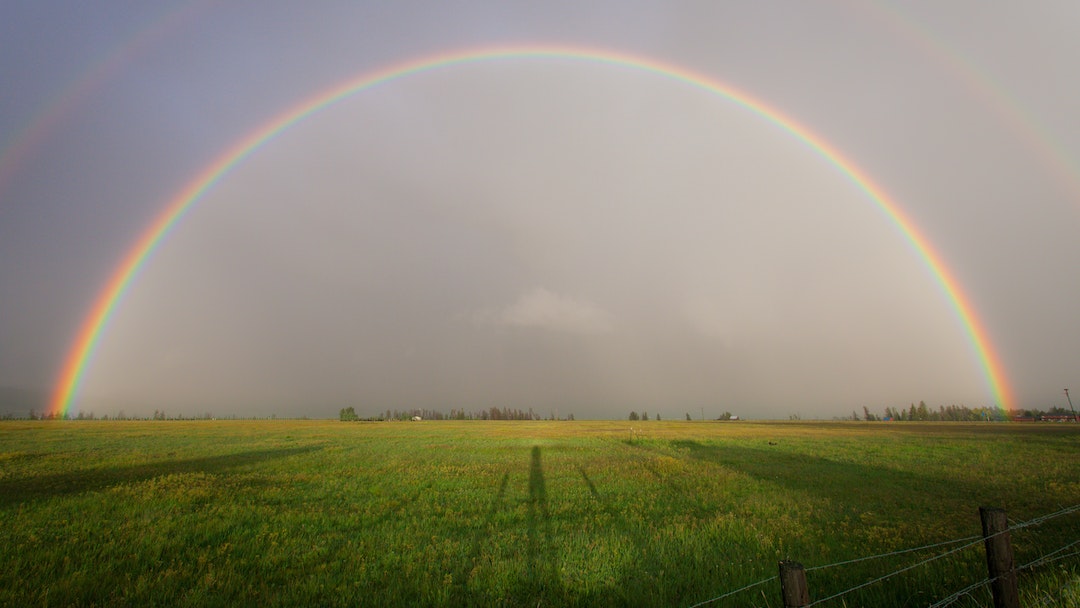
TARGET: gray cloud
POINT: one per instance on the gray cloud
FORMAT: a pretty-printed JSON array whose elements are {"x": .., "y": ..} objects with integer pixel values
[{"x": 543, "y": 309}]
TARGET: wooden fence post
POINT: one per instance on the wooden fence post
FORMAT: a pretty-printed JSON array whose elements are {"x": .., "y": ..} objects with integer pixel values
[
  {"x": 793, "y": 584},
  {"x": 999, "y": 557}
]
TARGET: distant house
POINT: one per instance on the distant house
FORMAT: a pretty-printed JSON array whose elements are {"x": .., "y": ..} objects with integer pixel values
[{"x": 417, "y": 418}]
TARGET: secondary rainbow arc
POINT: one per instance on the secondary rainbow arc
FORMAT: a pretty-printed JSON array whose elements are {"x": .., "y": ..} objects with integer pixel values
[{"x": 90, "y": 332}]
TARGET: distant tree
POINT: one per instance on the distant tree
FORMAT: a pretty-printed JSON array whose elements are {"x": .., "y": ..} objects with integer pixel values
[
  {"x": 634, "y": 416},
  {"x": 348, "y": 414},
  {"x": 644, "y": 415},
  {"x": 570, "y": 417},
  {"x": 725, "y": 416},
  {"x": 688, "y": 415},
  {"x": 922, "y": 413},
  {"x": 658, "y": 416}
]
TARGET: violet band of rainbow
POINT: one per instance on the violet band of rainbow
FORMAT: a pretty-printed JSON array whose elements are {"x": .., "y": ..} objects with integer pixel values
[{"x": 90, "y": 332}]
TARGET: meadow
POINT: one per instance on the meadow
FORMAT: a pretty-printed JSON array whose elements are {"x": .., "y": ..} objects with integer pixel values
[{"x": 552, "y": 513}]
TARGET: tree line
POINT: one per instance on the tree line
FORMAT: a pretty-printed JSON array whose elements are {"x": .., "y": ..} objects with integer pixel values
[
  {"x": 157, "y": 415},
  {"x": 493, "y": 413},
  {"x": 957, "y": 413}
]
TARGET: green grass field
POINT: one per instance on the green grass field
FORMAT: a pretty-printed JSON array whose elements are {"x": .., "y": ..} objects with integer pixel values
[{"x": 523, "y": 513}]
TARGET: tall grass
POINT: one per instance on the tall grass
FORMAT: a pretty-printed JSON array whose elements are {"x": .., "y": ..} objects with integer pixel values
[{"x": 518, "y": 513}]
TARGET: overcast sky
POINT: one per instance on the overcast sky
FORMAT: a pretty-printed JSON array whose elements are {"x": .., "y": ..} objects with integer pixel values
[{"x": 560, "y": 234}]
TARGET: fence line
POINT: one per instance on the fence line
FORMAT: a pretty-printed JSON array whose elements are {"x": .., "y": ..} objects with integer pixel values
[
  {"x": 952, "y": 598},
  {"x": 1032, "y": 522},
  {"x": 1044, "y": 559},
  {"x": 894, "y": 573},
  {"x": 970, "y": 541},
  {"x": 975, "y": 539}
]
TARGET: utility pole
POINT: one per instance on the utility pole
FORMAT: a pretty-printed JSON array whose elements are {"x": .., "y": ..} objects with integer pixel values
[{"x": 1071, "y": 405}]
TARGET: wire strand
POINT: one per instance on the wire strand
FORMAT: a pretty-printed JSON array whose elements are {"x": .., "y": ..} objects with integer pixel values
[
  {"x": 1032, "y": 522},
  {"x": 894, "y": 573},
  {"x": 1046, "y": 558},
  {"x": 730, "y": 593},
  {"x": 1038, "y": 520},
  {"x": 965, "y": 591},
  {"x": 900, "y": 552},
  {"x": 969, "y": 541}
]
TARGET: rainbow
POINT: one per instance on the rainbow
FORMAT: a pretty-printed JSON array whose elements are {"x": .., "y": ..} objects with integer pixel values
[
  {"x": 1023, "y": 124},
  {"x": 82, "y": 350},
  {"x": 31, "y": 138}
]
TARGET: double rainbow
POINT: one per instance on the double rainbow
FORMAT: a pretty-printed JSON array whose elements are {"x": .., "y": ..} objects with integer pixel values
[{"x": 78, "y": 357}]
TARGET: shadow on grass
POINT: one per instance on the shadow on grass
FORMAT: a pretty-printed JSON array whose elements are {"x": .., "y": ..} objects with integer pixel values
[
  {"x": 537, "y": 582},
  {"x": 862, "y": 485},
  {"x": 541, "y": 581},
  {"x": 29, "y": 489}
]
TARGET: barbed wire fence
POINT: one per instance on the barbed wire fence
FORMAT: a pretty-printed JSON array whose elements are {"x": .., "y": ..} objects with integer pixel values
[{"x": 1069, "y": 550}]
